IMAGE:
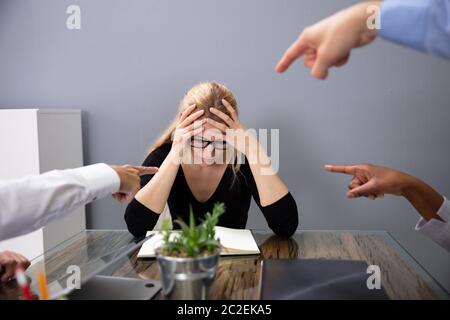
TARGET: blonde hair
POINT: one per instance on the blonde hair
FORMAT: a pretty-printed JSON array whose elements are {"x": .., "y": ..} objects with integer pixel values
[{"x": 204, "y": 95}]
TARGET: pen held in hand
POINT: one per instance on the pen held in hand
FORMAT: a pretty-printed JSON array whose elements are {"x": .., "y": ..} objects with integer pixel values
[{"x": 24, "y": 284}]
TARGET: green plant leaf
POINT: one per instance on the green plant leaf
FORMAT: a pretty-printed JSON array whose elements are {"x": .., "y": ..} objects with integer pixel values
[{"x": 193, "y": 239}]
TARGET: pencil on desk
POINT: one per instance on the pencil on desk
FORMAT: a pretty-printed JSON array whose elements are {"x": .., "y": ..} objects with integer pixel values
[{"x": 42, "y": 279}]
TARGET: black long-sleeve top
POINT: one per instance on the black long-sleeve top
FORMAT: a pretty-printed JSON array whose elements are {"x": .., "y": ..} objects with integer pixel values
[{"x": 281, "y": 216}]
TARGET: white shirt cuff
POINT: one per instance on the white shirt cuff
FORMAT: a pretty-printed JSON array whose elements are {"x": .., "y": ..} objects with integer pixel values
[
  {"x": 438, "y": 231},
  {"x": 101, "y": 179}
]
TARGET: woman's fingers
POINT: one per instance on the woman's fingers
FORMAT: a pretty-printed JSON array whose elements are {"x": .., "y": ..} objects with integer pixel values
[
  {"x": 222, "y": 127},
  {"x": 231, "y": 110},
  {"x": 196, "y": 130},
  {"x": 191, "y": 131},
  {"x": 222, "y": 116},
  {"x": 196, "y": 124},
  {"x": 191, "y": 118},
  {"x": 186, "y": 112},
  {"x": 185, "y": 137}
]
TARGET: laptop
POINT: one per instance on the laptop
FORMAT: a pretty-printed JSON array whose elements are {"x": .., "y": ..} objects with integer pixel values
[{"x": 100, "y": 286}]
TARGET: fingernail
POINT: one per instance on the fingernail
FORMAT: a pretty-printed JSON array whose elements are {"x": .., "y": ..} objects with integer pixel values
[{"x": 351, "y": 196}]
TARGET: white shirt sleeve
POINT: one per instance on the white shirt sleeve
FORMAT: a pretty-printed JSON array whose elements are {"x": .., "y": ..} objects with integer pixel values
[
  {"x": 438, "y": 231},
  {"x": 29, "y": 203}
]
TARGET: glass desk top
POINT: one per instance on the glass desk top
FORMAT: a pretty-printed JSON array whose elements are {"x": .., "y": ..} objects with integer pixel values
[{"x": 114, "y": 253}]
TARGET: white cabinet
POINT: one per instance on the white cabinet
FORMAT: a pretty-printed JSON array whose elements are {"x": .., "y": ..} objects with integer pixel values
[{"x": 33, "y": 141}]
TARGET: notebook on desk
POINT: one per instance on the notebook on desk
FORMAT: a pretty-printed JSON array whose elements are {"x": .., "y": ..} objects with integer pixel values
[
  {"x": 311, "y": 279},
  {"x": 233, "y": 241}
]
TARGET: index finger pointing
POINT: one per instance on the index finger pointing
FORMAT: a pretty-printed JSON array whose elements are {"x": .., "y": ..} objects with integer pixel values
[
  {"x": 346, "y": 169},
  {"x": 142, "y": 170},
  {"x": 295, "y": 51}
]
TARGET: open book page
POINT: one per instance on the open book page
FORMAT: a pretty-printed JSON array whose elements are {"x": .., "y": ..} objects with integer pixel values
[
  {"x": 233, "y": 241},
  {"x": 236, "y": 241}
]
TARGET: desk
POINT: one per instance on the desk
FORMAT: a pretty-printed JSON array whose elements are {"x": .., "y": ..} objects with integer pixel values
[{"x": 238, "y": 277}]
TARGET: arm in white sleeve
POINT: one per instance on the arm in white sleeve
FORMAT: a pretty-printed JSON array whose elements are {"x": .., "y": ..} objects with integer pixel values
[
  {"x": 438, "y": 231},
  {"x": 29, "y": 203}
]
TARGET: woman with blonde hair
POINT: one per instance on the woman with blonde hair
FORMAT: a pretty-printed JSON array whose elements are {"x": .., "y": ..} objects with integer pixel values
[{"x": 199, "y": 166}]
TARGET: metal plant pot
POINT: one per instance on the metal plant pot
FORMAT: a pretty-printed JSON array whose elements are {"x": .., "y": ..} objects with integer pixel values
[{"x": 187, "y": 278}]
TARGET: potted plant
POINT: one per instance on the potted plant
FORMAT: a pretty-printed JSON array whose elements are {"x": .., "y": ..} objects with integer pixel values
[{"x": 188, "y": 259}]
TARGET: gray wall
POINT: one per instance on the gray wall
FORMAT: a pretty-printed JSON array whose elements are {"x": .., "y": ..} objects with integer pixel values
[{"x": 132, "y": 61}]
